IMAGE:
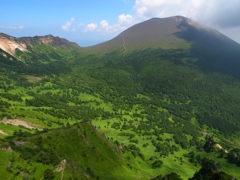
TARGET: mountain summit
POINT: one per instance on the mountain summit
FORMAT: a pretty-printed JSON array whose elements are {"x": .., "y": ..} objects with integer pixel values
[
  {"x": 167, "y": 33},
  {"x": 212, "y": 50}
]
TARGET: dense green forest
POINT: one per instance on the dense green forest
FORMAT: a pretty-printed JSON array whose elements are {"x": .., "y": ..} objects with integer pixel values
[{"x": 149, "y": 114}]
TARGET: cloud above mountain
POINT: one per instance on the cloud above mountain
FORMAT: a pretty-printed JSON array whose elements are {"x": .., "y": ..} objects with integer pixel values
[
  {"x": 215, "y": 12},
  {"x": 11, "y": 27},
  {"x": 91, "y": 27},
  {"x": 218, "y": 12},
  {"x": 68, "y": 25},
  {"x": 124, "y": 21},
  {"x": 226, "y": 14}
]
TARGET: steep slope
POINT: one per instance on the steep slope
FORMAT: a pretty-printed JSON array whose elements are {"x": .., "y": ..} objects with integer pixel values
[
  {"x": 211, "y": 50},
  {"x": 73, "y": 152},
  {"x": 9, "y": 44},
  {"x": 153, "y": 33},
  {"x": 167, "y": 33},
  {"x": 36, "y": 55}
]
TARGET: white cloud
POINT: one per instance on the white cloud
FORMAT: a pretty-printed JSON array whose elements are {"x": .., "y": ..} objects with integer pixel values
[
  {"x": 67, "y": 25},
  {"x": 216, "y": 13},
  {"x": 125, "y": 19},
  {"x": 12, "y": 27},
  {"x": 161, "y": 8},
  {"x": 106, "y": 28},
  {"x": 104, "y": 24},
  {"x": 221, "y": 12},
  {"x": 91, "y": 27}
]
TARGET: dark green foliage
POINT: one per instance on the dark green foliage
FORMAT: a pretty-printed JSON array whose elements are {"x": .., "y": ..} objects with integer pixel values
[
  {"x": 136, "y": 152},
  {"x": 48, "y": 174},
  {"x": 210, "y": 171},
  {"x": 233, "y": 156},
  {"x": 90, "y": 172},
  {"x": 80, "y": 145},
  {"x": 115, "y": 125},
  {"x": 209, "y": 144},
  {"x": 157, "y": 164},
  {"x": 181, "y": 139},
  {"x": 159, "y": 99},
  {"x": 48, "y": 157},
  {"x": 171, "y": 176},
  {"x": 160, "y": 74}
]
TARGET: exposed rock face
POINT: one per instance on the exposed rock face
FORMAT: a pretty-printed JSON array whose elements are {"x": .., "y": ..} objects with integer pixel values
[
  {"x": 48, "y": 40},
  {"x": 9, "y": 44}
]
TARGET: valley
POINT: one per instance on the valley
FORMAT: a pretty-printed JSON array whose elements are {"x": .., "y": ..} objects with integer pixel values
[{"x": 122, "y": 111}]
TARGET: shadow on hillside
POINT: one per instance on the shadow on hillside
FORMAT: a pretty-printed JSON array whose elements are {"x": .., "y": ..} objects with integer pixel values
[{"x": 214, "y": 51}]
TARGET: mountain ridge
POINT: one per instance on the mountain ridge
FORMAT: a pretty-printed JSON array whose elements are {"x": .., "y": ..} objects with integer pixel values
[
  {"x": 9, "y": 43},
  {"x": 165, "y": 33}
]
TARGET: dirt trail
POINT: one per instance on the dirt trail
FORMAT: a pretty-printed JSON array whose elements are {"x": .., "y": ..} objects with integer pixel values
[
  {"x": 18, "y": 122},
  {"x": 124, "y": 45},
  {"x": 61, "y": 167},
  {"x": 3, "y": 133}
]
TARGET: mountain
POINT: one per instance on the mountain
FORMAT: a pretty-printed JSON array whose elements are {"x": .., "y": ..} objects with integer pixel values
[
  {"x": 167, "y": 33},
  {"x": 153, "y": 33},
  {"x": 159, "y": 101},
  {"x": 15, "y": 46},
  {"x": 9, "y": 43},
  {"x": 30, "y": 54},
  {"x": 213, "y": 50},
  {"x": 73, "y": 154}
]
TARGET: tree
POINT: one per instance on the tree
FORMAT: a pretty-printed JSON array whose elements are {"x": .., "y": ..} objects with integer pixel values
[
  {"x": 48, "y": 174},
  {"x": 156, "y": 164},
  {"x": 209, "y": 144},
  {"x": 210, "y": 171},
  {"x": 171, "y": 176}
]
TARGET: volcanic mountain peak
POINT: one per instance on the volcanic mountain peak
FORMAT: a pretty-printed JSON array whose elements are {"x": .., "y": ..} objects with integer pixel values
[
  {"x": 176, "y": 32},
  {"x": 153, "y": 33}
]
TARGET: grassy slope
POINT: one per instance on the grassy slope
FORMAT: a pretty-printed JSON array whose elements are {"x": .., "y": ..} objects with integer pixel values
[
  {"x": 81, "y": 145},
  {"x": 134, "y": 89}
]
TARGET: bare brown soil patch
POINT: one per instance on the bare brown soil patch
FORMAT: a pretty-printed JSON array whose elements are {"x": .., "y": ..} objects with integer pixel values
[
  {"x": 33, "y": 79},
  {"x": 18, "y": 122},
  {"x": 3, "y": 133}
]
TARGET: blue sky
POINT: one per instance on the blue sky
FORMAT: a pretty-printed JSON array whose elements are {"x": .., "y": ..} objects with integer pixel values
[{"x": 88, "y": 22}]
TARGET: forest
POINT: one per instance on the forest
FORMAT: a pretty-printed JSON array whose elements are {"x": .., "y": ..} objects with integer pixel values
[{"x": 152, "y": 113}]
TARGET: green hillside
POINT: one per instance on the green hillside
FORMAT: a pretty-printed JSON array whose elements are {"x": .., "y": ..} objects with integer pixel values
[
  {"x": 98, "y": 113},
  {"x": 71, "y": 152}
]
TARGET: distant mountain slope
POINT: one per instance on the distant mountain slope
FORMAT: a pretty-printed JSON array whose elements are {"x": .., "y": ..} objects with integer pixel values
[
  {"x": 155, "y": 32},
  {"x": 209, "y": 49},
  {"x": 38, "y": 55},
  {"x": 10, "y": 44},
  {"x": 167, "y": 33}
]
